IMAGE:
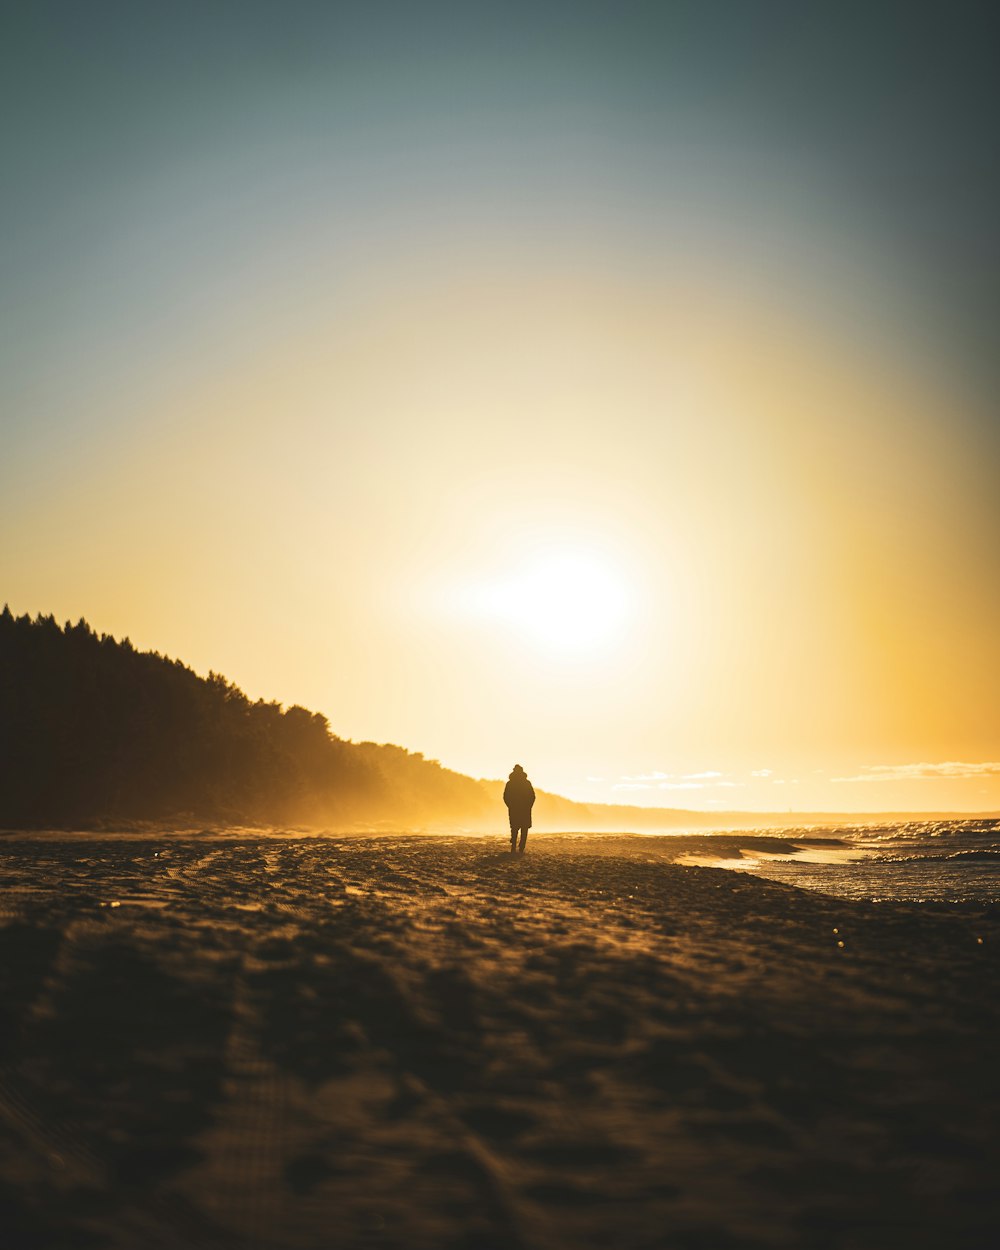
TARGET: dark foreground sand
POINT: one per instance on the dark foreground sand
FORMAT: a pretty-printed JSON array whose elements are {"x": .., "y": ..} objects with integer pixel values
[{"x": 409, "y": 1042}]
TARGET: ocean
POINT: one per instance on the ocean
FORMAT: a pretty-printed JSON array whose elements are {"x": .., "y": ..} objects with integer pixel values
[{"x": 915, "y": 861}]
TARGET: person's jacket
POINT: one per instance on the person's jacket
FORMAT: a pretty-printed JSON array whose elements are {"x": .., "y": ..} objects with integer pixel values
[{"x": 518, "y": 793}]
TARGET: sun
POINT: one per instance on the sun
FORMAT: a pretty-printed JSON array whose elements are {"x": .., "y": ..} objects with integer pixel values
[{"x": 566, "y": 601}]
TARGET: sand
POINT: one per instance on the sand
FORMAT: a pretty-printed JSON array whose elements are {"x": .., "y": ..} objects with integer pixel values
[{"x": 424, "y": 1043}]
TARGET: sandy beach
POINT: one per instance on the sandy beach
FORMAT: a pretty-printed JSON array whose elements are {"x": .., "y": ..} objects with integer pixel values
[{"x": 421, "y": 1042}]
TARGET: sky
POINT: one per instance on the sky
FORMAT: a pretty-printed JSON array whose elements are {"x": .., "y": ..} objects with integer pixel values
[{"x": 610, "y": 388}]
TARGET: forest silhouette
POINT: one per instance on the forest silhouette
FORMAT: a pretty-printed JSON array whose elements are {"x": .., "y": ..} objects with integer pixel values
[{"x": 94, "y": 731}]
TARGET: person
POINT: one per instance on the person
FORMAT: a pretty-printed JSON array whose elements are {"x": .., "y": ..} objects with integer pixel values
[{"x": 519, "y": 795}]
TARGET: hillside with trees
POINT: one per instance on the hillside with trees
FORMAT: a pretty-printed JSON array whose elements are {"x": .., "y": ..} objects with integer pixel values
[{"x": 94, "y": 732}]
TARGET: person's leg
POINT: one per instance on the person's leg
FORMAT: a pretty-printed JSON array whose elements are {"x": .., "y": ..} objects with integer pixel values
[
  {"x": 524, "y": 838},
  {"x": 513, "y": 837}
]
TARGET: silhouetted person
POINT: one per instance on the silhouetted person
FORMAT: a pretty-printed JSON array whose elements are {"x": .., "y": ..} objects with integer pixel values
[{"x": 519, "y": 795}]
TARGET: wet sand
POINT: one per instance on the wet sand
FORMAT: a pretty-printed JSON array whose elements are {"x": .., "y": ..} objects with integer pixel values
[{"x": 424, "y": 1043}]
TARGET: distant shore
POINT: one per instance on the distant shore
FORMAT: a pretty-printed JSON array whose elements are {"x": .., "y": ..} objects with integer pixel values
[{"x": 597, "y": 819}]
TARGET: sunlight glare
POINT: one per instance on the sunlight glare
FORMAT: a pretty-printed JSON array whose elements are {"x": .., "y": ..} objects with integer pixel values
[{"x": 568, "y": 601}]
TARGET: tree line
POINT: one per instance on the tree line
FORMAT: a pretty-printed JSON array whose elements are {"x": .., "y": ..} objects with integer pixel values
[{"x": 94, "y": 732}]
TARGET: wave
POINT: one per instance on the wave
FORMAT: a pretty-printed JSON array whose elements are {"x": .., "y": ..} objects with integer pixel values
[
  {"x": 909, "y": 831},
  {"x": 983, "y": 855}
]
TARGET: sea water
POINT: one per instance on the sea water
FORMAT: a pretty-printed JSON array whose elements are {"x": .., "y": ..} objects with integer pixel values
[{"x": 941, "y": 860}]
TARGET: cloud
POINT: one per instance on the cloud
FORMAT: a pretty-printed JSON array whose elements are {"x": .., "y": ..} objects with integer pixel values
[
  {"x": 674, "y": 781},
  {"x": 762, "y": 772},
  {"x": 698, "y": 785},
  {"x": 950, "y": 770}
]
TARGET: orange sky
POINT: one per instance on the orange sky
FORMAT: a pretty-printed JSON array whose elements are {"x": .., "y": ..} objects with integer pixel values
[
  {"x": 606, "y": 425},
  {"x": 657, "y": 541}
]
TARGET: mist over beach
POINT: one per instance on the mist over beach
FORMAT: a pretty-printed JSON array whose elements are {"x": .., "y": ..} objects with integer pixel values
[{"x": 499, "y": 553}]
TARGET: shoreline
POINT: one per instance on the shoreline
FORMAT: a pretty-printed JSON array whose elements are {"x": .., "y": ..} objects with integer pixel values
[{"x": 682, "y": 822}]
